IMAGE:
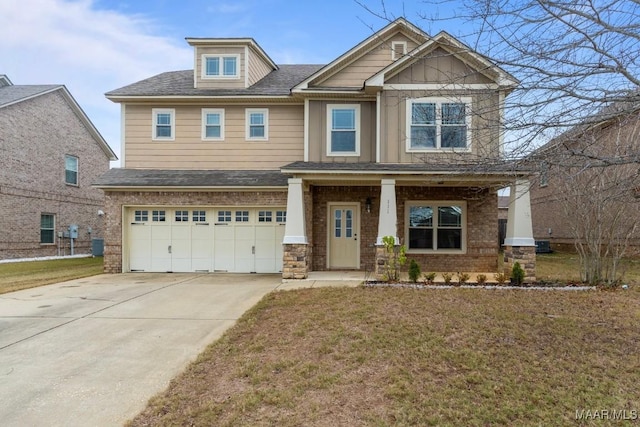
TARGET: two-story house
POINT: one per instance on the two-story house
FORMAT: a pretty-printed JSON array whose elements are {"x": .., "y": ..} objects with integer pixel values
[
  {"x": 243, "y": 165},
  {"x": 50, "y": 154}
]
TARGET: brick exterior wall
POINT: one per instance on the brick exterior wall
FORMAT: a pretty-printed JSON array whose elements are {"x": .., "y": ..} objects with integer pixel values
[
  {"x": 116, "y": 200},
  {"x": 482, "y": 229},
  {"x": 35, "y": 136}
]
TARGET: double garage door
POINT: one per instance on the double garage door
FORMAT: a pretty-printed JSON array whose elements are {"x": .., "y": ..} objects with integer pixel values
[{"x": 236, "y": 240}]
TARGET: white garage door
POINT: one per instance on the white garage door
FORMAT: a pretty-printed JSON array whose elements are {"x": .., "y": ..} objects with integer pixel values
[{"x": 237, "y": 240}]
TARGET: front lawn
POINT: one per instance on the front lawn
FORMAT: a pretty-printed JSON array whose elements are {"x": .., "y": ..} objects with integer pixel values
[
  {"x": 444, "y": 357},
  {"x": 22, "y": 275}
]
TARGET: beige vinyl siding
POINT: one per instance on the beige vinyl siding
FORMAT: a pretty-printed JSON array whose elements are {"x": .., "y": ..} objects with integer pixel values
[
  {"x": 258, "y": 69},
  {"x": 439, "y": 66},
  {"x": 485, "y": 128},
  {"x": 189, "y": 151},
  {"x": 318, "y": 132},
  {"x": 362, "y": 68},
  {"x": 223, "y": 82}
]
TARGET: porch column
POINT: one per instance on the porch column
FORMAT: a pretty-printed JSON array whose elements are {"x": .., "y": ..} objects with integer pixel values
[
  {"x": 387, "y": 223},
  {"x": 519, "y": 245},
  {"x": 294, "y": 265}
]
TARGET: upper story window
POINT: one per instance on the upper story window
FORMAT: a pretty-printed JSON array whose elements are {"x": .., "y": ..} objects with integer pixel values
[
  {"x": 257, "y": 122},
  {"x": 437, "y": 123},
  {"x": 213, "y": 124},
  {"x": 343, "y": 129},
  {"x": 398, "y": 50},
  {"x": 435, "y": 226},
  {"x": 71, "y": 170},
  {"x": 163, "y": 124},
  {"x": 220, "y": 66}
]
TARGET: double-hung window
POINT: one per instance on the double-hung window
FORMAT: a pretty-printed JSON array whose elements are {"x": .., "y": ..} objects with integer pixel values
[
  {"x": 438, "y": 123},
  {"x": 71, "y": 170},
  {"x": 47, "y": 229},
  {"x": 212, "y": 124},
  {"x": 220, "y": 66},
  {"x": 163, "y": 124},
  {"x": 257, "y": 124},
  {"x": 343, "y": 129},
  {"x": 435, "y": 226}
]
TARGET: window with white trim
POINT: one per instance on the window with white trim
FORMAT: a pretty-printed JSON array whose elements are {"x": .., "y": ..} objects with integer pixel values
[
  {"x": 158, "y": 216},
  {"x": 242, "y": 216},
  {"x": 141, "y": 216},
  {"x": 438, "y": 123},
  {"x": 213, "y": 124},
  {"x": 199, "y": 216},
  {"x": 182, "y": 216},
  {"x": 220, "y": 66},
  {"x": 163, "y": 124},
  {"x": 47, "y": 229},
  {"x": 398, "y": 49},
  {"x": 281, "y": 216},
  {"x": 224, "y": 216},
  {"x": 71, "y": 170},
  {"x": 265, "y": 216},
  {"x": 257, "y": 124},
  {"x": 435, "y": 226},
  {"x": 343, "y": 129}
]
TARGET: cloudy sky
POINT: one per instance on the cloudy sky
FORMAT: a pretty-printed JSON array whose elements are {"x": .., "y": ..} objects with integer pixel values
[{"x": 94, "y": 46}]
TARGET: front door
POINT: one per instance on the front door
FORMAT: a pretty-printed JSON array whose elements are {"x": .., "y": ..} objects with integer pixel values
[{"x": 344, "y": 247}]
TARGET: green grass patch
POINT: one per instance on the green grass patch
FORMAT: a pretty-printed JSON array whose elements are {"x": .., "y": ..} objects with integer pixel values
[
  {"x": 23, "y": 275},
  {"x": 445, "y": 357}
]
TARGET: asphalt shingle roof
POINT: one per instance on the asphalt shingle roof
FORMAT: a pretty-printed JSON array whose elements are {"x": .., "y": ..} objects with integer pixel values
[
  {"x": 180, "y": 83},
  {"x": 13, "y": 93},
  {"x": 118, "y": 177}
]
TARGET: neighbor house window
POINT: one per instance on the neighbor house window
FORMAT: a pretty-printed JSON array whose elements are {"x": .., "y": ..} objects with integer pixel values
[
  {"x": 544, "y": 174},
  {"x": 343, "y": 129},
  {"x": 220, "y": 66},
  {"x": 163, "y": 124},
  {"x": 213, "y": 124},
  {"x": 257, "y": 124},
  {"x": 47, "y": 228},
  {"x": 398, "y": 50},
  {"x": 435, "y": 226},
  {"x": 436, "y": 123},
  {"x": 71, "y": 170}
]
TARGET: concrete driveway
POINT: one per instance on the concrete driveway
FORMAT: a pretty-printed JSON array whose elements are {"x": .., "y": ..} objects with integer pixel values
[{"x": 91, "y": 352}]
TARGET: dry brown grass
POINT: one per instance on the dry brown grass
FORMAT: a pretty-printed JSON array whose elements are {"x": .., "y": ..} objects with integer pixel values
[{"x": 446, "y": 357}]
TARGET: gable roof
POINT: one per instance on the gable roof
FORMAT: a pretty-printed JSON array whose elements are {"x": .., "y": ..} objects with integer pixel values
[
  {"x": 180, "y": 83},
  {"x": 363, "y": 47},
  {"x": 457, "y": 49},
  {"x": 12, "y": 94}
]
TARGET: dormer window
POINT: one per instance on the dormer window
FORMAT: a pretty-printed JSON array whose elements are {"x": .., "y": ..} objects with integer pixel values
[{"x": 220, "y": 66}]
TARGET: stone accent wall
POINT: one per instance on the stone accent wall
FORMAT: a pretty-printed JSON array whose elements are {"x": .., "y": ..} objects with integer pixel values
[
  {"x": 116, "y": 200},
  {"x": 526, "y": 256},
  {"x": 295, "y": 264},
  {"x": 37, "y": 134}
]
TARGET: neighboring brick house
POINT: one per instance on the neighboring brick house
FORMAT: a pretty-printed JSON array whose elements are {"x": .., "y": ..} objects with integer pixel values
[
  {"x": 589, "y": 180},
  {"x": 50, "y": 155},
  {"x": 243, "y": 165}
]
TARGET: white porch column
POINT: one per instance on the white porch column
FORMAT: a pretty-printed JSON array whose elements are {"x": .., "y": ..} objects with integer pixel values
[
  {"x": 294, "y": 230},
  {"x": 387, "y": 218},
  {"x": 519, "y": 227}
]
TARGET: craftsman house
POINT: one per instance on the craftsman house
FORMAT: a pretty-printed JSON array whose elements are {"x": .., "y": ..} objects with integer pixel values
[
  {"x": 244, "y": 165},
  {"x": 50, "y": 154}
]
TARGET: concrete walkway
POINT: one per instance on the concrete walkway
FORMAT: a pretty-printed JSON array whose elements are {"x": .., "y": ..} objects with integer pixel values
[{"x": 91, "y": 352}]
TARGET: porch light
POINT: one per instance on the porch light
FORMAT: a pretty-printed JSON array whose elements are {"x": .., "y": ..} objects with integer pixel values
[{"x": 367, "y": 204}]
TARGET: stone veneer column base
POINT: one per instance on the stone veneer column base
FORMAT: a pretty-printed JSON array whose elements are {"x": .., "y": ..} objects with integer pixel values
[
  {"x": 526, "y": 256},
  {"x": 295, "y": 263}
]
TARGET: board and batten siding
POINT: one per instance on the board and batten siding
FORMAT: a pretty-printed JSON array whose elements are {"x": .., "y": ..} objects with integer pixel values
[
  {"x": 318, "y": 132},
  {"x": 362, "y": 68},
  {"x": 188, "y": 150}
]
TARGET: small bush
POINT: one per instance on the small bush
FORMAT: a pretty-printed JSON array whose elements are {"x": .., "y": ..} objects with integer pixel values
[
  {"x": 517, "y": 274},
  {"x": 447, "y": 277},
  {"x": 501, "y": 278},
  {"x": 428, "y": 278},
  {"x": 463, "y": 278},
  {"x": 481, "y": 279},
  {"x": 414, "y": 271}
]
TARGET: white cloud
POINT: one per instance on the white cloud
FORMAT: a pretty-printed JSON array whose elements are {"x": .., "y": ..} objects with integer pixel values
[{"x": 90, "y": 51}]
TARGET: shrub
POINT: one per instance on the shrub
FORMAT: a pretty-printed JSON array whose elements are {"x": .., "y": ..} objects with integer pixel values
[
  {"x": 463, "y": 278},
  {"x": 428, "y": 278},
  {"x": 517, "y": 274},
  {"x": 500, "y": 278},
  {"x": 447, "y": 277},
  {"x": 394, "y": 260},
  {"x": 414, "y": 271},
  {"x": 481, "y": 279}
]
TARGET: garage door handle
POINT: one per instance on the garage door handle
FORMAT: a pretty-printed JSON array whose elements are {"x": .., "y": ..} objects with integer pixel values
[
  {"x": 253, "y": 250},
  {"x": 169, "y": 248}
]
